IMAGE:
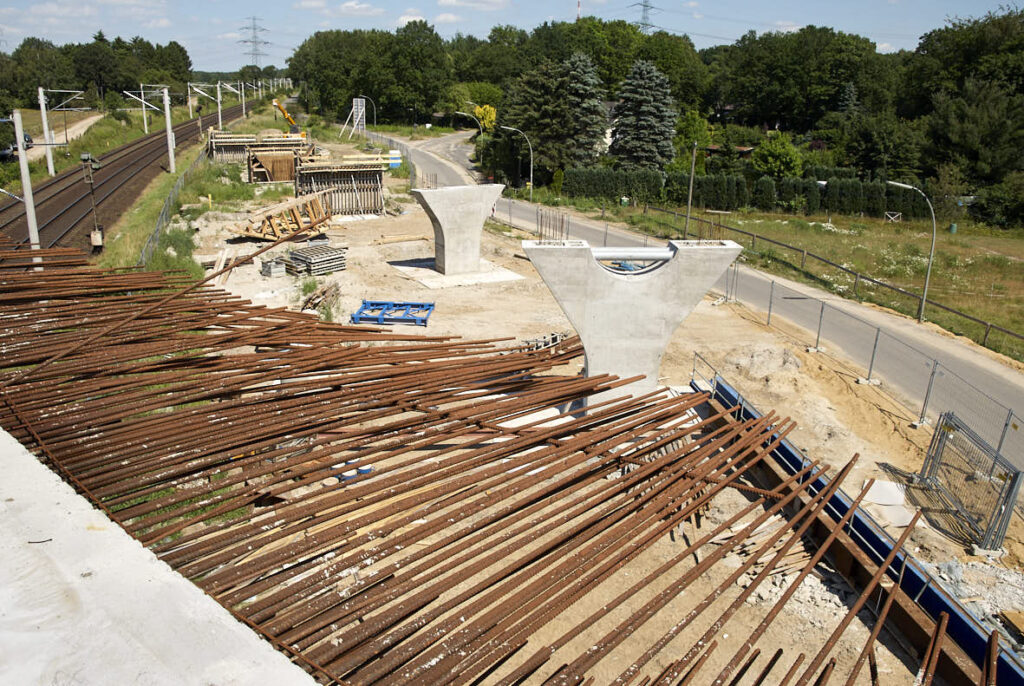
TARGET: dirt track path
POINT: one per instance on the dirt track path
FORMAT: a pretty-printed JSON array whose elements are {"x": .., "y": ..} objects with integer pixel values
[{"x": 76, "y": 130}]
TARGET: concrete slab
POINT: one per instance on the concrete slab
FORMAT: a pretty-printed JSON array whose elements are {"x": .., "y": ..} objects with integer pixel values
[
  {"x": 83, "y": 603},
  {"x": 422, "y": 271},
  {"x": 457, "y": 214}
]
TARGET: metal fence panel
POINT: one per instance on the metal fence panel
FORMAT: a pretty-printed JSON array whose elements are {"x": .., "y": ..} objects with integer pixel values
[
  {"x": 975, "y": 482},
  {"x": 849, "y": 334}
]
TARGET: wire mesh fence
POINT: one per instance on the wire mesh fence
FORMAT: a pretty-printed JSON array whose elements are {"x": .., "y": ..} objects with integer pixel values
[
  {"x": 927, "y": 387},
  {"x": 168, "y": 210},
  {"x": 973, "y": 479},
  {"x": 839, "y": 278}
]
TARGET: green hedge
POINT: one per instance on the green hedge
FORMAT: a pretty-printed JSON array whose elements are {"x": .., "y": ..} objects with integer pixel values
[
  {"x": 821, "y": 173},
  {"x": 729, "y": 192},
  {"x": 640, "y": 185}
]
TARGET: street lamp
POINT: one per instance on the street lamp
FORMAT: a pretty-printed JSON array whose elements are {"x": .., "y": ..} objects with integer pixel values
[
  {"x": 466, "y": 114},
  {"x": 511, "y": 128},
  {"x": 374, "y": 109},
  {"x": 931, "y": 253}
]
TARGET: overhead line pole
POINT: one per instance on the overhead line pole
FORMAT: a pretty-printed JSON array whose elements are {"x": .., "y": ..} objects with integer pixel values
[
  {"x": 170, "y": 131},
  {"x": 47, "y": 139},
  {"x": 26, "y": 186}
]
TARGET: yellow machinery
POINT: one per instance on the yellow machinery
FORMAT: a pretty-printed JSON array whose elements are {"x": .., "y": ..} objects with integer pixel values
[{"x": 293, "y": 127}]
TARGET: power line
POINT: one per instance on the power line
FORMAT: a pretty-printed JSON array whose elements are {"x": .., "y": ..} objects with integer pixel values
[
  {"x": 644, "y": 24},
  {"x": 254, "y": 41}
]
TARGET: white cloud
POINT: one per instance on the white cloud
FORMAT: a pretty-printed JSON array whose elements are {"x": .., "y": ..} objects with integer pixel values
[
  {"x": 354, "y": 8},
  {"x": 886, "y": 47},
  {"x": 410, "y": 14},
  {"x": 698, "y": 15},
  {"x": 692, "y": 3},
  {"x": 310, "y": 5},
  {"x": 230, "y": 35},
  {"x": 161, "y": 23},
  {"x": 486, "y": 5},
  {"x": 62, "y": 10},
  {"x": 788, "y": 26},
  {"x": 447, "y": 18}
]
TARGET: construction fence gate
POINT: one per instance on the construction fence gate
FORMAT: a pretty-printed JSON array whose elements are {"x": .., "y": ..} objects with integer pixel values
[{"x": 973, "y": 478}]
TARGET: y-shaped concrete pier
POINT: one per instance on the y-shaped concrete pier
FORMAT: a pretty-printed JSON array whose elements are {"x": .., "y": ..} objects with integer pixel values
[
  {"x": 458, "y": 214},
  {"x": 626, "y": 318}
]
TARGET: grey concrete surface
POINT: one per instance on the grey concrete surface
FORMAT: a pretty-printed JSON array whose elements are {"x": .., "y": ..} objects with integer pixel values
[
  {"x": 83, "y": 603},
  {"x": 624, "y": 319},
  {"x": 458, "y": 214}
]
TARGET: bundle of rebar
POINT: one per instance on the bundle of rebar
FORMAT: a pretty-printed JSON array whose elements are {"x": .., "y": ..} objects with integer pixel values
[{"x": 392, "y": 508}]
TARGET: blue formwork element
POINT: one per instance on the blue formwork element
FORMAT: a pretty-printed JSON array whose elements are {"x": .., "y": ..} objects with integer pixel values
[
  {"x": 963, "y": 627},
  {"x": 387, "y": 312}
]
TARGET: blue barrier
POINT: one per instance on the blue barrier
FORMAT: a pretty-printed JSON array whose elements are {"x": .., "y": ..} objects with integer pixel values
[{"x": 963, "y": 627}]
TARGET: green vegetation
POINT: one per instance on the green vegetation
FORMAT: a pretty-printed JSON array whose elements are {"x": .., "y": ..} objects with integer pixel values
[
  {"x": 644, "y": 120},
  {"x": 412, "y": 132},
  {"x": 125, "y": 240},
  {"x": 947, "y": 117}
]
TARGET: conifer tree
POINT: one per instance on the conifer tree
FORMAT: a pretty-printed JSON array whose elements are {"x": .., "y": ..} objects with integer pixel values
[
  {"x": 589, "y": 120},
  {"x": 644, "y": 120}
]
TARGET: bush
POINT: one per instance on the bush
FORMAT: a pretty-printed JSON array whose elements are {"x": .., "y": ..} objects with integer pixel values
[
  {"x": 813, "y": 194},
  {"x": 764, "y": 194},
  {"x": 642, "y": 185},
  {"x": 823, "y": 173}
]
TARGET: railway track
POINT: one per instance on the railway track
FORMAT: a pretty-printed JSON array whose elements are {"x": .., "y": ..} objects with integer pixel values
[{"x": 63, "y": 208}]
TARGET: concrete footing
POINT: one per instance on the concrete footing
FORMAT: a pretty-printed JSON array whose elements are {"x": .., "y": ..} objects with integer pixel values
[
  {"x": 626, "y": 318},
  {"x": 458, "y": 214}
]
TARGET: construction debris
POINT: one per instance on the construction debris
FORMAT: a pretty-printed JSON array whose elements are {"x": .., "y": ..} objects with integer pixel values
[
  {"x": 272, "y": 268},
  {"x": 326, "y": 294},
  {"x": 276, "y": 221}
]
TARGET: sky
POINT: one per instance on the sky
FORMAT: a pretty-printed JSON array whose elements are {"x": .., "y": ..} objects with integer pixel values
[{"x": 211, "y": 29}]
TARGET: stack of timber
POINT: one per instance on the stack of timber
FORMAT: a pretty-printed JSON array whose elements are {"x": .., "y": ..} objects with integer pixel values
[
  {"x": 226, "y": 146},
  {"x": 318, "y": 260},
  {"x": 309, "y": 212},
  {"x": 355, "y": 185}
]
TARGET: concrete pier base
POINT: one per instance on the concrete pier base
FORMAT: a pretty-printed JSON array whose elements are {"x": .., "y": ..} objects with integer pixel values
[
  {"x": 458, "y": 214},
  {"x": 626, "y": 319}
]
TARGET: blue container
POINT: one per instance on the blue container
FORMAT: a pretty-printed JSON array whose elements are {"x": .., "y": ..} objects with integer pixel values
[{"x": 364, "y": 470}]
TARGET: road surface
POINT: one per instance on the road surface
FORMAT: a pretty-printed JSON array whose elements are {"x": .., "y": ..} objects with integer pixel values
[{"x": 968, "y": 381}]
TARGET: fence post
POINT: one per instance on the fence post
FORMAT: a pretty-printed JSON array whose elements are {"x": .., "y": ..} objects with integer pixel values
[
  {"x": 927, "y": 396},
  {"x": 771, "y": 296},
  {"x": 821, "y": 318},
  {"x": 988, "y": 330},
  {"x": 856, "y": 282},
  {"x": 803, "y": 259},
  {"x": 753, "y": 241},
  {"x": 1006, "y": 427},
  {"x": 606, "y": 234},
  {"x": 874, "y": 352}
]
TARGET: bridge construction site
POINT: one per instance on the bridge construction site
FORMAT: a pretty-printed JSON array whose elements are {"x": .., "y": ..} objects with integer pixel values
[{"x": 481, "y": 499}]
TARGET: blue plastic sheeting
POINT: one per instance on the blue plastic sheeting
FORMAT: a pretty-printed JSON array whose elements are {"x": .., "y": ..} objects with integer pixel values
[
  {"x": 963, "y": 628},
  {"x": 387, "y": 312}
]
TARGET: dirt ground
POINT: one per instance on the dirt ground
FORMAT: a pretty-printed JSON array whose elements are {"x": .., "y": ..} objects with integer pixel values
[{"x": 836, "y": 417}]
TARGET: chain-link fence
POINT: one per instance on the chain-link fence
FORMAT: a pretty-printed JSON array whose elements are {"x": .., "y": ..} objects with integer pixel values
[
  {"x": 922, "y": 383},
  {"x": 415, "y": 180},
  {"x": 169, "y": 208},
  {"x": 972, "y": 479}
]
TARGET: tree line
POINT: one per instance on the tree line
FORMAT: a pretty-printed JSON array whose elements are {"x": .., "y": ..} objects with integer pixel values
[{"x": 948, "y": 115}]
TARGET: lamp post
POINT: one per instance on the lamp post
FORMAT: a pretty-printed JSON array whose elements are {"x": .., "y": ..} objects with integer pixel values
[
  {"x": 479, "y": 126},
  {"x": 931, "y": 253},
  {"x": 374, "y": 109},
  {"x": 511, "y": 128}
]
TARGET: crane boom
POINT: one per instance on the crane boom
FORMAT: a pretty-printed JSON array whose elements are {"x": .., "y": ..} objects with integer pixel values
[{"x": 288, "y": 117}]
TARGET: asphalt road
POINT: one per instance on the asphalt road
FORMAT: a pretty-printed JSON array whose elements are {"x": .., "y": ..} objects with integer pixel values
[{"x": 979, "y": 389}]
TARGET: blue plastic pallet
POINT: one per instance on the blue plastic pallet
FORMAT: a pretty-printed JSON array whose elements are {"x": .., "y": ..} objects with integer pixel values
[{"x": 387, "y": 312}]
